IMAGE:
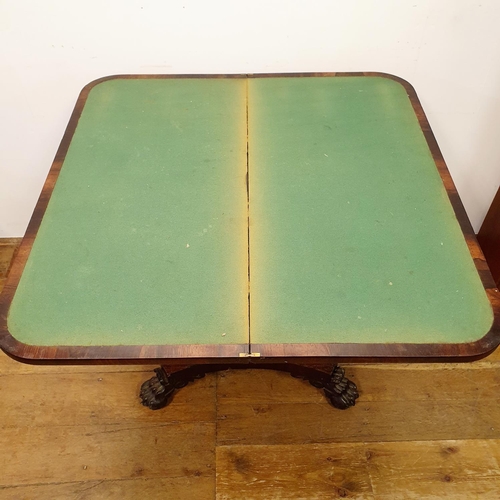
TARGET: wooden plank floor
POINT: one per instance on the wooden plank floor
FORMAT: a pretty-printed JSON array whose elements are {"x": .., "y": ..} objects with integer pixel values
[{"x": 418, "y": 432}]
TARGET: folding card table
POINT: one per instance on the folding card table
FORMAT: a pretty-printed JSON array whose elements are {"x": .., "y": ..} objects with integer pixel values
[{"x": 248, "y": 221}]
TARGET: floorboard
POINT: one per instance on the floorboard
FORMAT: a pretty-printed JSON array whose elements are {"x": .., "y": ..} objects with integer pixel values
[
  {"x": 173, "y": 488},
  {"x": 461, "y": 470}
]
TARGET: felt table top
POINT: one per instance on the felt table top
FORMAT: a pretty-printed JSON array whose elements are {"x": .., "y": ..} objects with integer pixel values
[
  {"x": 145, "y": 238},
  {"x": 353, "y": 238},
  {"x": 343, "y": 232}
]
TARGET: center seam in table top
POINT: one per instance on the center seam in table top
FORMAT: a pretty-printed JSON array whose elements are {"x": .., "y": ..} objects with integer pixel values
[{"x": 248, "y": 211}]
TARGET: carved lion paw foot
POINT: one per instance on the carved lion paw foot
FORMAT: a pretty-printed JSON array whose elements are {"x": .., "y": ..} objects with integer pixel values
[
  {"x": 156, "y": 392},
  {"x": 341, "y": 392}
]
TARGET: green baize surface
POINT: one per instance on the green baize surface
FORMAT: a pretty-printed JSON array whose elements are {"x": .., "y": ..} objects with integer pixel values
[
  {"x": 352, "y": 237},
  {"x": 145, "y": 237}
]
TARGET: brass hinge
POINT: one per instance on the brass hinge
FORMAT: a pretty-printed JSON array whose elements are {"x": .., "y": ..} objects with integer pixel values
[{"x": 249, "y": 354}]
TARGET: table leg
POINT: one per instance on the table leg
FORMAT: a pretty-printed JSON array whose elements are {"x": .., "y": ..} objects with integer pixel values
[
  {"x": 158, "y": 391},
  {"x": 339, "y": 390}
]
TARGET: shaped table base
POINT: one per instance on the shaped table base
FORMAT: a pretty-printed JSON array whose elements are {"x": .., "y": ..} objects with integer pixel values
[{"x": 158, "y": 391}]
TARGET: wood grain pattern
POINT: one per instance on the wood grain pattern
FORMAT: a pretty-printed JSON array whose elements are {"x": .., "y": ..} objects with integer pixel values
[
  {"x": 272, "y": 472},
  {"x": 9, "y": 366},
  {"x": 8, "y": 248},
  {"x": 423, "y": 470},
  {"x": 104, "y": 452},
  {"x": 442, "y": 469},
  {"x": 175, "y": 488},
  {"x": 278, "y": 423},
  {"x": 97, "y": 398},
  {"x": 427, "y": 403},
  {"x": 378, "y": 382}
]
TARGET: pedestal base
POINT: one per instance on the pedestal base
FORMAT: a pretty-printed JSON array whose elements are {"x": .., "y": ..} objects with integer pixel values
[{"x": 158, "y": 391}]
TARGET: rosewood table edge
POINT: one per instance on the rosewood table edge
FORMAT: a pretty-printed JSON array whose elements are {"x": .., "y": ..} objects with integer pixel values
[{"x": 88, "y": 354}]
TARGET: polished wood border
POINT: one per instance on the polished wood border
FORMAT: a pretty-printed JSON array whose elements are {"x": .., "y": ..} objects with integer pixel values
[{"x": 202, "y": 353}]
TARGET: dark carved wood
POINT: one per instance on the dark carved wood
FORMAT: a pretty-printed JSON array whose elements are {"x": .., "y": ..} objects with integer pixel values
[
  {"x": 158, "y": 391},
  {"x": 341, "y": 392},
  {"x": 489, "y": 238}
]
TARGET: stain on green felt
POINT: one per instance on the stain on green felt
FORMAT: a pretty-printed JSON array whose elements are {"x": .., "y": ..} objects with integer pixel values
[
  {"x": 352, "y": 236},
  {"x": 145, "y": 238}
]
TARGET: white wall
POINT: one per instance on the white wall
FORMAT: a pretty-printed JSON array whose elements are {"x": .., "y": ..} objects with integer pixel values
[{"x": 448, "y": 49}]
